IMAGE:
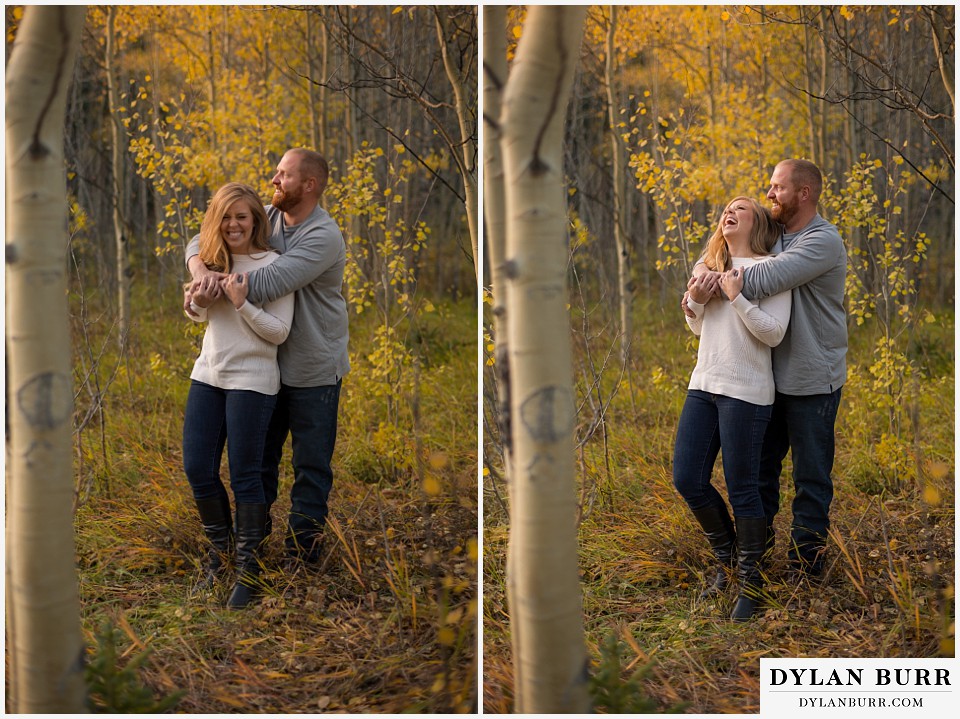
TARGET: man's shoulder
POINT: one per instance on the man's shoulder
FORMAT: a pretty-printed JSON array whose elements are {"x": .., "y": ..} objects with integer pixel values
[
  {"x": 321, "y": 221},
  {"x": 817, "y": 230},
  {"x": 819, "y": 224}
]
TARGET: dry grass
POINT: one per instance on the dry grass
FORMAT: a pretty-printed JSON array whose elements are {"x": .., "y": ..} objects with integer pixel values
[
  {"x": 888, "y": 590},
  {"x": 347, "y": 636}
]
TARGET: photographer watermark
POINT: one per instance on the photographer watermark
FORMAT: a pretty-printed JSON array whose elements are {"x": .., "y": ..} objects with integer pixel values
[{"x": 821, "y": 687}]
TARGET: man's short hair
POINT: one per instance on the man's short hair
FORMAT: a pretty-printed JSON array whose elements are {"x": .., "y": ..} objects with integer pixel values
[
  {"x": 313, "y": 164},
  {"x": 804, "y": 172}
]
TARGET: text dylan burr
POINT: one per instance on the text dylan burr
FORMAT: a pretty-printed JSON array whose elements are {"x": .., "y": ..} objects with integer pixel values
[{"x": 913, "y": 677}]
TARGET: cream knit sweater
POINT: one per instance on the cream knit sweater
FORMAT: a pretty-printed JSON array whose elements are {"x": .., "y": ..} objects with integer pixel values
[
  {"x": 240, "y": 345},
  {"x": 734, "y": 358}
]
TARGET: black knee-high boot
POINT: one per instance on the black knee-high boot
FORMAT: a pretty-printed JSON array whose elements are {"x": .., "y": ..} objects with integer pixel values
[
  {"x": 771, "y": 540},
  {"x": 751, "y": 545},
  {"x": 215, "y": 518},
  {"x": 719, "y": 531},
  {"x": 251, "y": 521}
]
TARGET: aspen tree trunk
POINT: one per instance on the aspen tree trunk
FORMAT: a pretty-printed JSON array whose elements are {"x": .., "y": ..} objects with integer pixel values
[
  {"x": 494, "y": 79},
  {"x": 495, "y": 230},
  {"x": 824, "y": 65},
  {"x": 944, "y": 62},
  {"x": 624, "y": 286},
  {"x": 467, "y": 162},
  {"x": 550, "y": 661},
  {"x": 317, "y": 88},
  {"x": 116, "y": 164},
  {"x": 43, "y": 610}
]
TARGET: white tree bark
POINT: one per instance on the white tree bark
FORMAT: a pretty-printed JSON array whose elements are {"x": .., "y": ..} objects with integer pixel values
[
  {"x": 624, "y": 284},
  {"x": 43, "y": 609},
  {"x": 550, "y": 661},
  {"x": 494, "y": 79},
  {"x": 466, "y": 162},
  {"x": 116, "y": 163}
]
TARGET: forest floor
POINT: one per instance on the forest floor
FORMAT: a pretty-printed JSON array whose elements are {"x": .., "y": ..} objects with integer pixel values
[
  {"x": 889, "y": 587},
  {"x": 386, "y": 623}
]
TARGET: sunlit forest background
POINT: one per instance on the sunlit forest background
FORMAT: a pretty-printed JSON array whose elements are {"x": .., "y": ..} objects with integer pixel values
[
  {"x": 167, "y": 104},
  {"x": 675, "y": 111}
]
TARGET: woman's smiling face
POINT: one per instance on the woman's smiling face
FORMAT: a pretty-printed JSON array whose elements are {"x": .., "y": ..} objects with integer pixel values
[
  {"x": 737, "y": 219},
  {"x": 237, "y": 228}
]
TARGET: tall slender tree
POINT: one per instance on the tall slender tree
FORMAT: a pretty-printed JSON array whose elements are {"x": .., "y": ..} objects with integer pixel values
[
  {"x": 459, "y": 74},
  {"x": 117, "y": 137},
  {"x": 46, "y": 646},
  {"x": 550, "y": 661},
  {"x": 494, "y": 77},
  {"x": 618, "y": 177}
]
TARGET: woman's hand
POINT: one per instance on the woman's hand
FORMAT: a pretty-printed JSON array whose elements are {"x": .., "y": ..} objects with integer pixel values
[
  {"x": 204, "y": 292},
  {"x": 703, "y": 287},
  {"x": 731, "y": 283},
  {"x": 235, "y": 287}
]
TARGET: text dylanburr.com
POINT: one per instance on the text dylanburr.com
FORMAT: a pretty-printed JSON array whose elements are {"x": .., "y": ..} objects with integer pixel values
[{"x": 858, "y": 687}]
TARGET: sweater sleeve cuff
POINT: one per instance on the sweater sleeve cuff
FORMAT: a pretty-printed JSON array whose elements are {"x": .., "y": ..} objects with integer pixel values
[
  {"x": 741, "y": 303},
  {"x": 695, "y": 306},
  {"x": 199, "y": 313}
]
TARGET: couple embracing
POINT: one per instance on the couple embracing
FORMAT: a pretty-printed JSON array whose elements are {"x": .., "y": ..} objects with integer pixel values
[
  {"x": 267, "y": 281},
  {"x": 766, "y": 300}
]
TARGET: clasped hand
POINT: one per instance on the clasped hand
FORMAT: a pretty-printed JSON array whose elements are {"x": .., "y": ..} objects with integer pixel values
[
  {"x": 708, "y": 284},
  {"x": 209, "y": 288}
]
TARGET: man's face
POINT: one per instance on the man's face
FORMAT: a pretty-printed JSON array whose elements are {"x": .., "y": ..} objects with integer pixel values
[
  {"x": 783, "y": 194},
  {"x": 287, "y": 183}
]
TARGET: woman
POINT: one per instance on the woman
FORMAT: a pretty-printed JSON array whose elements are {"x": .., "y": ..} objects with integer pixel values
[
  {"x": 234, "y": 384},
  {"x": 730, "y": 397}
]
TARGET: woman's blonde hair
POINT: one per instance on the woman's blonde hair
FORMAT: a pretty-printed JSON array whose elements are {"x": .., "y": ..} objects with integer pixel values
[
  {"x": 763, "y": 236},
  {"x": 213, "y": 250}
]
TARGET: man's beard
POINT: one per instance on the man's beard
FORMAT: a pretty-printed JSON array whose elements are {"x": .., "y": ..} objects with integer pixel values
[
  {"x": 286, "y": 201},
  {"x": 784, "y": 213}
]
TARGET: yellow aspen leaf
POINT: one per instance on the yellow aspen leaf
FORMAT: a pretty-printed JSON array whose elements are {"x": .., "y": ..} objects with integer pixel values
[
  {"x": 517, "y": 30},
  {"x": 431, "y": 486},
  {"x": 397, "y": 10},
  {"x": 725, "y": 16},
  {"x": 931, "y": 495}
]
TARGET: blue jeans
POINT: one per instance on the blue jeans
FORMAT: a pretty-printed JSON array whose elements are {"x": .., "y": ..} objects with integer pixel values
[
  {"x": 707, "y": 423},
  {"x": 805, "y": 426},
  {"x": 309, "y": 415},
  {"x": 235, "y": 417}
]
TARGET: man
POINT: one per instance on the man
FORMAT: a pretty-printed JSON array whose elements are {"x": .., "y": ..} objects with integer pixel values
[
  {"x": 809, "y": 365},
  {"x": 314, "y": 359}
]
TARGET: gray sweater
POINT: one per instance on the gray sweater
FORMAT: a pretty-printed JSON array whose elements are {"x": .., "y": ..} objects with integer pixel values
[
  {"x": 812, "y": 358},
  {"x": 311, "y": 262}
]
